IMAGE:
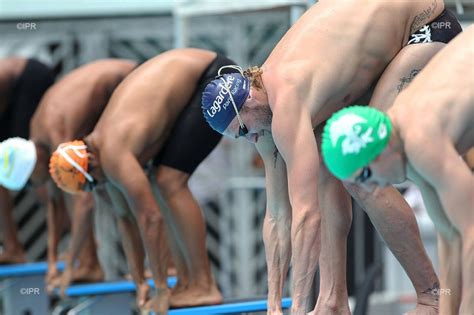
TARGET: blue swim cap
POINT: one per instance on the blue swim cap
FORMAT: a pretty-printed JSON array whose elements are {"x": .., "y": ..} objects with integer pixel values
[{"x": 217, "y": 106}]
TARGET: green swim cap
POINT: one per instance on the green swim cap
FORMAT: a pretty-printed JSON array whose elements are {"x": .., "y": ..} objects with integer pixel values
[{"x": 353, "y": 137}]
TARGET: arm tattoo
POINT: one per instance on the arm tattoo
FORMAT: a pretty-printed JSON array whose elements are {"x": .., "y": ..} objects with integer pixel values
[
  {"x": 434, "y": 290},
  {"x": 406, "y": 80},
  {"x": 420, "y": 19},
  {"x": 275, "y": 157}
]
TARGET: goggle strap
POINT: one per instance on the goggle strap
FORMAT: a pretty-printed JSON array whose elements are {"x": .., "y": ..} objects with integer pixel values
[
  {"x": 62, "y": 151},
  {"x": 241, "y": 123}
]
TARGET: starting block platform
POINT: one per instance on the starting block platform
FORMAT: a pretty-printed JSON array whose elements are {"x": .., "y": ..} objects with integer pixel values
[
  {"x": 236, "y": 307},
  {"x": 23, "y": 292},
  {"x": 114, "y": 297},
  {"x": 23, "y": 288}
]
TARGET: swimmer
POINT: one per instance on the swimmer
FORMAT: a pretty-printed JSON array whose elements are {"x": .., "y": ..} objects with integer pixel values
[
  {"x": 70, "y": 108},
  {"x": 146, "y": 145},
  {"x": 22, "y": 84},
  {"x": 327, "y": 60},
  {"x": 422, "y": 138}
]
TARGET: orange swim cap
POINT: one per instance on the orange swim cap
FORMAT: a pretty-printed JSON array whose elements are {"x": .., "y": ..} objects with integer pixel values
[{"x": 68, "y": 166}]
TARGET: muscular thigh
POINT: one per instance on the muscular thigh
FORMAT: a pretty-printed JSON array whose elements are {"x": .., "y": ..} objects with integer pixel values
[{"x": 401, "y": 71}]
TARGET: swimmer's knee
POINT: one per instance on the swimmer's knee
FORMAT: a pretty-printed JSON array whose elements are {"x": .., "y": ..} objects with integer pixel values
[{"x": 170, "y": 180}]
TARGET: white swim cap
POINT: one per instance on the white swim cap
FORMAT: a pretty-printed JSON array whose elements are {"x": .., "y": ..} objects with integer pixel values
[{"x": 17, "y": 161}]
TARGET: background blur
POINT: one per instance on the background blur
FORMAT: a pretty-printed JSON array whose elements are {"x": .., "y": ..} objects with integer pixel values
[{"x": 230, "y": 184}]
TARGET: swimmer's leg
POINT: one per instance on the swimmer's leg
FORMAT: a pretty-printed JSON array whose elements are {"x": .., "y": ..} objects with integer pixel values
[
  {"x": 189, "y": 231},
  {"x": 13, "y": 252}
]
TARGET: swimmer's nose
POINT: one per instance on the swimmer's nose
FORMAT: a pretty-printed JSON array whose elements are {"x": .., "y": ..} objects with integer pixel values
[{"x": 252, "y": 137}]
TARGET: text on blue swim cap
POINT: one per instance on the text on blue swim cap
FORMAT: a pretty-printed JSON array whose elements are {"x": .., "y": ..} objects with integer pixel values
[{"x": 217, "y": 103}]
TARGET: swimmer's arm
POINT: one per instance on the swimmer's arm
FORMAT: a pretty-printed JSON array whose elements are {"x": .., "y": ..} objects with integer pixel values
[
  {"x": 129, "y": 233},
  {"x": 82, "y": 224},
  {"x": 434, "y": 208},
  {"x": 277, "y": 222},
  {"x": 114, "y": 197},
  {"x": 449, "y": 247},
  {"x": 443, "y": 168},
  {"x": 126, "y": 173},
  {"x": 55, "y": 205},
  {"x": 294, "y": 138}
]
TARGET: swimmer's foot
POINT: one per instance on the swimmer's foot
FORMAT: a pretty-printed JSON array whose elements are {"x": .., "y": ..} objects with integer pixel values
[
  {"x": 159, "y": 303},
  {"x": 195, "y": 296},
  {"x": 148, "y": 275},
  {"x": 88, "y": 274},
  {"x": 142, "y": 295},
  {"x": 63, "y": 256},
  {"x": 13, "y": 257},
  {"x": 423, "y": 309},
  {"x": 172, "y": 271},
  {"x": 331, "y": 307}
]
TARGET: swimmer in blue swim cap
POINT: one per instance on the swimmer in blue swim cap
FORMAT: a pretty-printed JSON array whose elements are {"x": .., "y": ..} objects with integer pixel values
[{"x": 326, "y": 61}]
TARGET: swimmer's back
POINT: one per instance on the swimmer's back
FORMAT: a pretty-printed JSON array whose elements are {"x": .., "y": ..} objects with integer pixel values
[
  {"x": 337, "y": 49},
  {"x": 72, "y": 106},
  {"x": 442, "y": 95}
]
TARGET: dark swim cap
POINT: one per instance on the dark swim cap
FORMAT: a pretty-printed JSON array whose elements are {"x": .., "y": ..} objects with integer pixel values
[{"x": 217, "y": 105}]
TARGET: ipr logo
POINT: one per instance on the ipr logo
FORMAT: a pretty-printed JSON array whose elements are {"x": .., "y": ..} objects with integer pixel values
[
  {"x": 439, "y": 292},
  {"x": 30, "y": 291},
  {"x": 440, "y": 25},
  {"x": 26, "y": 26}
]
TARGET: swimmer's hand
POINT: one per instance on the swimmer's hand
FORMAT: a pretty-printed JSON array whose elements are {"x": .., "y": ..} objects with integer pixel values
[
  {"x": 52, "y": 278},
  {"x": 65, "y": 280},
  {"x": 159, "y": 303}
]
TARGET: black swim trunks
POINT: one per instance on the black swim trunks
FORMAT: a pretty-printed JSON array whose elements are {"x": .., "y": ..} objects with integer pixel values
[
  {"x": 192, "y": 139},
  {"x": 443, "y": 29},
  {"x": 24, "y": 98}
]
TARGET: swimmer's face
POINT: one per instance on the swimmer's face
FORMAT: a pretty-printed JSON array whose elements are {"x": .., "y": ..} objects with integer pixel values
[
  {"x": 255, "y": 115},
  {"x": 235, "y": 131},
  {"x": 388, "y": 168}
]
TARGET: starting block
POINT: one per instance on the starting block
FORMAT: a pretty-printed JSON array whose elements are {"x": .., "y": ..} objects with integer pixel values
[
  {"x": 237, "y": 307},
  {"x": 23, "y": 288},
  {"x": 115, "y": 297}
]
